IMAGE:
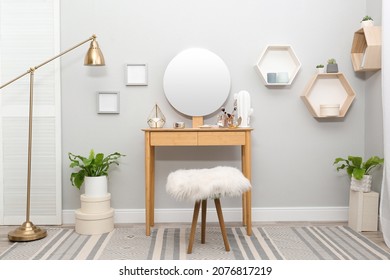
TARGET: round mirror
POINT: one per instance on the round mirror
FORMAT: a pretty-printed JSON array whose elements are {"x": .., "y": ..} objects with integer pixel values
[{"x": 197, "y": 82}]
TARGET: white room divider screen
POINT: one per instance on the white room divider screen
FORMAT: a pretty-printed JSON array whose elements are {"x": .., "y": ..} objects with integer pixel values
[
  {"x": 385, "y": 195},
  {"x": 29, "y": 35}
]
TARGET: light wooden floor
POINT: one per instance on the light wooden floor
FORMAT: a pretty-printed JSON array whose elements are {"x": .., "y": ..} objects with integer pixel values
[{"x": 375, "y": 236}]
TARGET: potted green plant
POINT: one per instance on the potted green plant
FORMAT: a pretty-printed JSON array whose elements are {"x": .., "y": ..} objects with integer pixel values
[
  {"x": 359, "y": 171},
  {"x": 332, "y": 66},
  {"x": 367, "y": 21},
  {"x": 320, "y": 68},
  {"x": 93, "y": 171}
]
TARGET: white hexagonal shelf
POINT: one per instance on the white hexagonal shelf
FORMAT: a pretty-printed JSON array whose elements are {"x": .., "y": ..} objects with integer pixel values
[
  {"x": 328, "y": 90},
  {"x": 279, "y": 59}
]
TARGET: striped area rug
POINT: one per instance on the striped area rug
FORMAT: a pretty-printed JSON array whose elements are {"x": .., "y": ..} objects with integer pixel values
[{"x": 266, "y": 243}]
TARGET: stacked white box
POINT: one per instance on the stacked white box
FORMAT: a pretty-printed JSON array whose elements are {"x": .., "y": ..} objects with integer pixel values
[
  {"x": 363, "y": 211},
  {"x": 95, "y": 215}
]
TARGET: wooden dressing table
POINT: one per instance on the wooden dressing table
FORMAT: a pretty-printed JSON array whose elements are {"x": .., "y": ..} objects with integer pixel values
[{"x": 155, "y": 137}]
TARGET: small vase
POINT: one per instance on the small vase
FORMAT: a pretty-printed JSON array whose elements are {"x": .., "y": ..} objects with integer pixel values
[
  {"x": 367, "y": 23},
  {"x": 95, "y": 186},
  {"x": 363, "y": 185},
  {"x": 320, "y": 70}
]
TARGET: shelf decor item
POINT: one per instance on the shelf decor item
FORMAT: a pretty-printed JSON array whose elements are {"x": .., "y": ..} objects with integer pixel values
[
  {"x": 332, "y": 66},
  {"x": 359, "y": 171},
  {"x": 94, "y": 57},
  {"x": 156, "y": 118},
  {"x": 329, "y": 110},
  {"x": 282, "y": 77},
  {"x": 320, "y": 68},
  {"x": 367, "y": 21},
  {"x": 271, "y": 78}
]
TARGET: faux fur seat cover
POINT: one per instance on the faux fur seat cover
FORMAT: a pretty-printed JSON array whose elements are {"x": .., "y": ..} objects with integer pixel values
[{"x": 199, "y": 184}]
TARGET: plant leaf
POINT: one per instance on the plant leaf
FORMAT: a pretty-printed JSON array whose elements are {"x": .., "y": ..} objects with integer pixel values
[
  {"x": 356, "y": 161},
  {"x": 358, "y": 173}
]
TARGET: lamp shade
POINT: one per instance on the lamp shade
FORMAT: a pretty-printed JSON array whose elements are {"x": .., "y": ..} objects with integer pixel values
[{"x": 94, "y": 56}]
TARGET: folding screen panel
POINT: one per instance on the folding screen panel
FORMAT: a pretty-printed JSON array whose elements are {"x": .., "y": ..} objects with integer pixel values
[{"x": 29, "y": 35}]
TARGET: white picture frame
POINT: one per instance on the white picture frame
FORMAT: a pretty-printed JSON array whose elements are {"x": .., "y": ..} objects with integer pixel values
[
  {"x": 108, "y": 102},
  {"x": 137, "y": 74}
]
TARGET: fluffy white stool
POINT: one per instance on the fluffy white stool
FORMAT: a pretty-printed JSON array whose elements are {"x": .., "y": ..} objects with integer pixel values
[{"x": 200, "y": 184}]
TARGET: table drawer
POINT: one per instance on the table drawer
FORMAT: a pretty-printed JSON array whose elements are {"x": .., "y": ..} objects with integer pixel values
[
  {"x": 228, "y": 138},
  {"x": 173, "y": 139}
]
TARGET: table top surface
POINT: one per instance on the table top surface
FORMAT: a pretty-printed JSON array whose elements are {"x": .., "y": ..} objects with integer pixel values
[{"x": 197, "y": 129}]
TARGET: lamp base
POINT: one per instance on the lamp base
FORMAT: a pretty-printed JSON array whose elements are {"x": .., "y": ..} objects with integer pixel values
[{"x": 27, "y": 232}]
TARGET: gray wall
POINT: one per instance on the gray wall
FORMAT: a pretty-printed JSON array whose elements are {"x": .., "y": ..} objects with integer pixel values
[{"x": 292, "y": 153}]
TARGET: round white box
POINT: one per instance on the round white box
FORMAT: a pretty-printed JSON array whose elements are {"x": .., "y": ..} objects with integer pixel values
[
  {"x": 95, "y": 204},
  {"x": 90, "y": 224},
  {"x": 329, "y": 110}
]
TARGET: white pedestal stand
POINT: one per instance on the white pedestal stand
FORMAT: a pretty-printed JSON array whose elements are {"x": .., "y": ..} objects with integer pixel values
[
  {"x": 95, "y": 215},
  {"x": 363, "y": 211}
]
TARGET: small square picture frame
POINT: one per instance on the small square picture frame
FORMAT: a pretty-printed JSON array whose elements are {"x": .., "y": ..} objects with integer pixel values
[
  {"x": 137, "y": 74},
  {"x": 108, "y": 102}
]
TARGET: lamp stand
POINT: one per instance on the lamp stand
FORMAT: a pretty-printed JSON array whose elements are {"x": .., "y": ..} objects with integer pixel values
[{"x": 28, "y": 231}]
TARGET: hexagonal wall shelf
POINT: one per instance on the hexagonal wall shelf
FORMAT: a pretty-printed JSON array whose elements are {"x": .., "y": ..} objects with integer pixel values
[
  {"x": 328, "y": 89},
  {"x": 366, "y": 49},
  {"x": 280, "y": 62}
]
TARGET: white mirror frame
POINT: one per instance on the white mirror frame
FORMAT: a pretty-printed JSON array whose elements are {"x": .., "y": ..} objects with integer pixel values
[{"x": 197, "y": 82}]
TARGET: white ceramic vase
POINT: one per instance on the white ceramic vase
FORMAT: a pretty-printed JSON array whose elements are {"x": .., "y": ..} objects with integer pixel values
[
  {"x": 363, "y": 185},
  {"x": 96, "y": 186},
  {"x": 367, "y": 23}
]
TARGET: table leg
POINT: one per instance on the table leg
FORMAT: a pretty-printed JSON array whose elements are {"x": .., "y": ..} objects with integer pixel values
[
  {"x": 246, "y": 169},
  {"x": 149, "y": 183},
  {"x": 152, "y": 180}
]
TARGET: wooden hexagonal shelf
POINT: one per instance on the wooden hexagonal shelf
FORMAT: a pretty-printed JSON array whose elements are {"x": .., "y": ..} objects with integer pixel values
[
  {"x": 326, "y": 89},
  {"x": 281, "y": 60},
  {"x": 366, "y": 49}
]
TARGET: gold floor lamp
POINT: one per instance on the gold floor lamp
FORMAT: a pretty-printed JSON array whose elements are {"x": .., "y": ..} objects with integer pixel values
[{"x": 94, "y": 57}]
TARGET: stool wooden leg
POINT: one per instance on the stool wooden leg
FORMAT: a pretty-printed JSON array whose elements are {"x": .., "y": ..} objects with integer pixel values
[
  {"x": 193, "y": 226},
  {"x": 204, "y": 211},
  {"x": 221, "y": 223}
]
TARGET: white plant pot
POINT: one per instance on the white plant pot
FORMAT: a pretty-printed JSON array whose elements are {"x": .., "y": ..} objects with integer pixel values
[
  {"x": 367, "y": 23},
  {"x": 320, "y": 70},
  {"x": 95, "y": 186},
  {"x": 363, "y": 185}
]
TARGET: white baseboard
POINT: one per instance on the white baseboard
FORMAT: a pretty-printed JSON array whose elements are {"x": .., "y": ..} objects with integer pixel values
[{"x": 184, "y": 215}]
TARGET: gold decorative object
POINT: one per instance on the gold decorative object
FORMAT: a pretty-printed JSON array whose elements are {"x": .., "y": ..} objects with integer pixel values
[
  {"x": 156, "y": 118},
  {"x": 28, "y": 231}
]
